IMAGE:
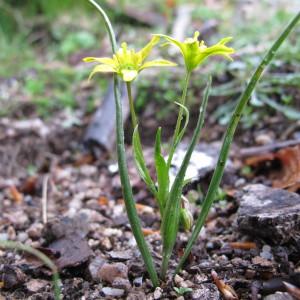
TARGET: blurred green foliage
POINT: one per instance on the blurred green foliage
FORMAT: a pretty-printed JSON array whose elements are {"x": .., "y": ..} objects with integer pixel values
[{"x": 37, "y": 34}]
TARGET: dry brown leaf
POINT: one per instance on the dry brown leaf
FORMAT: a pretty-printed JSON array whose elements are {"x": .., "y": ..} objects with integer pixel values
[
  {"x": 85, "y": 159},
  {"x": 289, "y": 174},
  {"x": 290, "y": 160},
  {"x": 102, "y": 200},
  {"x": 243, "y": 245},
  {"x": 141, "y": 208},
  {"x": 15, "y": 194},
  {"x": 226, "y": 290},
  {"x": 29, "y": 186},
  {"x": 149, "y": 231}
]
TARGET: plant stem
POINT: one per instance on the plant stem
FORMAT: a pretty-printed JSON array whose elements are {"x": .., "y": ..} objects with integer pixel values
[
  {"x": 175, "y": 140},
  {"x": 123, "y": 170},
  {"x": 171, "y": 216},
  {"x": 134, "y": 119},
  {"x": 228, "y": 137},
  {"x": 21, "y": 247}
]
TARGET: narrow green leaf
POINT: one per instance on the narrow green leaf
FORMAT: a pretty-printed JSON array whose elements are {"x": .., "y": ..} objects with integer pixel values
[
  {"x": 140, "y": 161},
  {"x": 289, "y": 112},
  {"x": 170, "y": 221},
  {"x": 186, "y": 122},
  {"x": 228, "y": 137},
  {"x": 162, "y": 172},
  {"x": 4, "y": 244}
]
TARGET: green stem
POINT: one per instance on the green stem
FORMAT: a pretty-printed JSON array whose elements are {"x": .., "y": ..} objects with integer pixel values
[
  {"x": 228, "y": 137},
  {"x": 175, "y": 140},
  {"x": 21, "y": 247},
  {"x": 123, "y": 170},
  {"x": 171, "y": 216},
  {"x": 134, "y": 119}
]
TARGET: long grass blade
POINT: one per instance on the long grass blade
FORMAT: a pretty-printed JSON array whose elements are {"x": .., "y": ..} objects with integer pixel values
[{"x": 47, "y": 261}]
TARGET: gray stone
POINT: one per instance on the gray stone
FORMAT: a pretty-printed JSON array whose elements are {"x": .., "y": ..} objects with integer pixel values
[
  {"x": 112, "y": 292},
  {"x": 272, "y": 214},
  {"x": 157, "y": 293},
  {"x": 35, "y": 231},
  {"x": 109, "y": 272},
  {"x": 206, "y": 291},
  {"x": 121, "y": 255},
  {"x": 36, "y": 285},
  {"x": 94, "y": 267},
  {"x": 121, "y": 283},
  {"x": 279, "y": 296}
]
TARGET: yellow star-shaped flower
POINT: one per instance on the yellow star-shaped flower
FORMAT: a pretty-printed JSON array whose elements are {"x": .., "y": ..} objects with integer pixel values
[
  {"x": 127, "y": 63},
  {"x": 195, "y": 52}
]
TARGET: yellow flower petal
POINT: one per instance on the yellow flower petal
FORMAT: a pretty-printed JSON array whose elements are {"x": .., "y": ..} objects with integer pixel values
[
  {"x": 195, "y": 52},
  {"x": 218, "y": 49},
  {"x": 128, "y": 75},
  {"x": 177, "y": 43},
  {"x": 144, "y": 53},
  {"x": 102, "y": 69},
  {"x": 157, "y": 63},
  {"x": 103, "y": 60}
]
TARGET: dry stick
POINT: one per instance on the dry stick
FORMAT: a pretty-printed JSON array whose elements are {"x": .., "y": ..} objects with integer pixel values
[
  {"x": 259, "y": 150},
  {"x": 228, "y": 137},
  {"x": 21, "y": 247},
  {"x": 44, "y": 199},
  {"x": 123, "y": 170}
]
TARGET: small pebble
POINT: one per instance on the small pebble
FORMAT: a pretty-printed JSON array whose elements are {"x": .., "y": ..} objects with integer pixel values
[
  {"x": 121, "y": 283},
  {"x": 138, "y": 281},
  {"x": 112, "y": 292},
  {"x": 108, "y": 272},
  {"x": 94, "y": 267},
  {"x": 157, "y": 293},
  {"x": 22, "y": 237},
  {"x": 36, "y": 285},
  {"x": 250, "y": 274},
  {"x": 279, "y": 296},
  {"x": 35, "y": 231}
]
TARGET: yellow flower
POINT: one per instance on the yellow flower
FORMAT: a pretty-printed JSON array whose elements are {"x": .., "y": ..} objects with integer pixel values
[
  {"x": 195, "y": 52},
  {"x": 127, "y": 63}
]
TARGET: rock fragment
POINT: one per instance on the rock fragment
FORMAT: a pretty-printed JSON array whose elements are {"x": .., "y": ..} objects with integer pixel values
[
  {"x": 109, "y": 272},
  {"x": 206, "y": 292},
  {"x": 268, "y": 213},
  {"x": 157, "y": 293},
  {"x": 36, "y": 285},
  {"x": 112, "y": 292},
  {"x": 11, "y": 277},
  {"x": 279, "y": 296}
]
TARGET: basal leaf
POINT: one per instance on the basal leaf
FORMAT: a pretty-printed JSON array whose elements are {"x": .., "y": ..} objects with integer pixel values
[
  {"x": 162, "y": 172},
  {"x": 140, "y": 162}
]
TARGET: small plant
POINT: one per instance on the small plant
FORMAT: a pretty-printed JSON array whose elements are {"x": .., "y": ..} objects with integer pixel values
[
  {"x": 182, "y": 290},
  {"x": 126, "y": 64}
]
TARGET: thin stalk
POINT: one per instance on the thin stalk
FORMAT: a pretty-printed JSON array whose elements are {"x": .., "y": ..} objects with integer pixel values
[
  {"x": 123, "y": 170},
  {"x": 228, "y": 137},
  {"x": 171, "y": 215},
  {"x": 175, "y": 140},
  {"x": 134, "y": 119},
  {"x": 21, "y": 247}
]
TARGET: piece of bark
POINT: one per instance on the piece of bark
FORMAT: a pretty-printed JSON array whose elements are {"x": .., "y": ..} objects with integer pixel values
[
  {"x": 268, "y": 213},
  {"x": 100, "y": 135},
  {"x": 259, "y": 150}
]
